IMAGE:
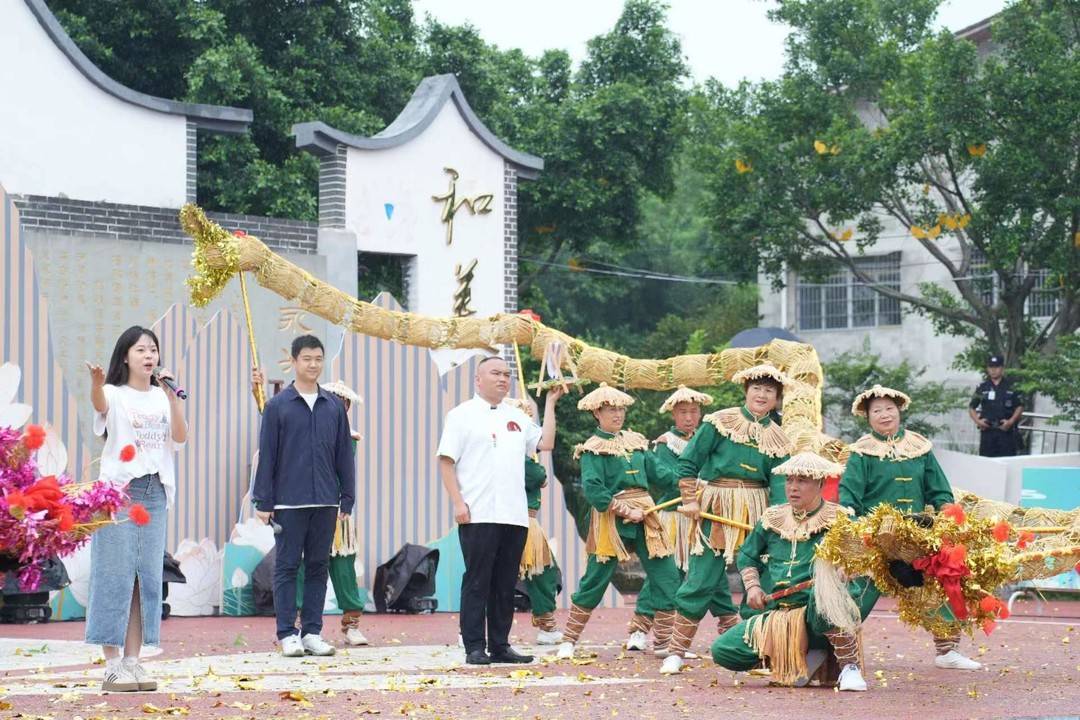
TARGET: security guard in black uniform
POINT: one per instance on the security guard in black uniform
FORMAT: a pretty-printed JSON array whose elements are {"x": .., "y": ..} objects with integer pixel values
[{"x": 996, "y": 408}]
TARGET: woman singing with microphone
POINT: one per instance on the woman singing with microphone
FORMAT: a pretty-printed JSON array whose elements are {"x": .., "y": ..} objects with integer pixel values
[{"x": 143, "y": 425}]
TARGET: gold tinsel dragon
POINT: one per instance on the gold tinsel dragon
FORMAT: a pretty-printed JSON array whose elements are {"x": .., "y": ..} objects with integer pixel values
[{"x": 859, "y": 547}]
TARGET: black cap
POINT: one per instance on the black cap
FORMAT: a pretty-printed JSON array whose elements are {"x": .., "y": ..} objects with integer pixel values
[{"x": 995, "y": 361}]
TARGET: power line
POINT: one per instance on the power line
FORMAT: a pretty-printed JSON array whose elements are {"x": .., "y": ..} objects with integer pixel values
[{"x": 631, "y": 273}]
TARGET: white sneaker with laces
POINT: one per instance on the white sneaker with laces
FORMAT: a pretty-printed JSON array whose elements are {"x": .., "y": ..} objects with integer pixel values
[
  {"x": 146, "y": 683},
  {"x": 118, "y": 678},
  {"x": 353, "y": 636},
  {"x": 291, "y": 646},
  {"x": 851, "y": 679},
  {"x": 315, "y": 645},
  {"x": 953, "y": 660},
  {"x": 566, "y": 651},
  {"x": 548, "y": 637},
  {"x": 637, "y": 640},
  {"x": 672, "y": 665}
]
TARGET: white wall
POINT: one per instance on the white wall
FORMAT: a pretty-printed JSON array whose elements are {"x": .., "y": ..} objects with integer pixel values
[
  {"x": 61, "y": 134},
  {"x": 408, "y": 176},
  {"x": 996, "y": 478}
]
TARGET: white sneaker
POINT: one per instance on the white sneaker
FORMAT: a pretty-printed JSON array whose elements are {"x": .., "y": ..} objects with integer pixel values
[
  {"x": 118, "y": 678},
  {"x": 566, "y": 651},
  {"x": 637, "y": 641},
  {"x": 353, "y": 636},
  {"x": 851, "y": 679},
  {"x": 953, "y": 660},
  {"x": 291, "y": 646},
  {"x": 146, "y": 683},
  {"x": 548, "y": 637},
  {"x": 672, "y": 665},
  {"x": 315, "y": 645}
]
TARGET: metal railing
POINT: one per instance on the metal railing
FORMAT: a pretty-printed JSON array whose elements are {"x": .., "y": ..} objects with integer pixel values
[{"x": 1047, "y": 439}]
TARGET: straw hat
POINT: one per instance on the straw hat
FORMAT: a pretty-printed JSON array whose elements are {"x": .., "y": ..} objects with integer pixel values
[
  {"x": 808, "y": 464},
  {"x": 604, "y": 395},
  {"x": 685, "y": 394},
  {"x": 761, "y": 371},
  {"x": 863, "y": 399},
  {"x": 343, "y": 391}
]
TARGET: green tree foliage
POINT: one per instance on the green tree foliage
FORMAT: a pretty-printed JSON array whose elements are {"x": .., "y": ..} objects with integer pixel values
[
  {"x": 877, "y": 119},
  {"x": 618, "y": 189},
  {"x": 852, "y": 372},
  {"x": 1054, "y": 375}
]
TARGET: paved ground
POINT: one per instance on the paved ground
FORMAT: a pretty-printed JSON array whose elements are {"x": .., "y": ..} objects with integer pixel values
[{"x": 227, "y": 668}]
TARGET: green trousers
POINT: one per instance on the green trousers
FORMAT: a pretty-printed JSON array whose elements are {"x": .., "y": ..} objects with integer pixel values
[
  {"x": 661, "y": 571},
  {"x": 542, "y": 589},
  {"x": 644, "y": 605},
  {"x": 732, "y": 652},
  {"x": 705, "y": 588},
  {"x": 342, "y": 578}
]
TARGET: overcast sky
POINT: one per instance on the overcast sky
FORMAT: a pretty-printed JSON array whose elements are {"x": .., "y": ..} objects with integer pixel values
[{"x": 725, "y": 39}]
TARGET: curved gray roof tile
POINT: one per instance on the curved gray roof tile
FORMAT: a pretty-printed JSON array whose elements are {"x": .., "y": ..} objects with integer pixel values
[
  {"x": 215, "y": 118},
  {"x": 424, "y": 105}
]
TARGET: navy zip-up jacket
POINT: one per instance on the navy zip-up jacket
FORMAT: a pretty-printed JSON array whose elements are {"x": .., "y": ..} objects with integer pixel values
[{"x": 305, "y": 454}]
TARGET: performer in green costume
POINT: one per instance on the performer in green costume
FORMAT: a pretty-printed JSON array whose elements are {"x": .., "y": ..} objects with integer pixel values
[
  {"x": 685, "y": 406},
  {"x": 791, "y": 633},
  {"x": 617, "y": 473},
  {"x": 896, "y": 466},
  {"x": 734, "y": 452},
  {"x": 539, "y": 571}
]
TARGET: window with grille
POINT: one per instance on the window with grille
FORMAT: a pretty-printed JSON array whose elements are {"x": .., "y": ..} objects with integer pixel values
[
  {"x": 841, "y": 300},
  {"x": 1043, "y": 301}
]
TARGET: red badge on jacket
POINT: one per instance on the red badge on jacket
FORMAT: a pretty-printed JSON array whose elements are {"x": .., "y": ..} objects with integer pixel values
[{"x": 513, "y": 426}]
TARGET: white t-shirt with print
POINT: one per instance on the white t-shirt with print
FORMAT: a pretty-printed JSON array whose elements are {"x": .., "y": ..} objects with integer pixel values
[
  {"x": 489, "y": 444},
  {"x": 143, "y": 420}
]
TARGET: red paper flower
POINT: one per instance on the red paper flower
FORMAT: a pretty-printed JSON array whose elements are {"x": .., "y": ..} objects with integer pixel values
[
  {"x": 1002, "y": 531},
  {"x": 34, "y": 437},
  {"x": 955, "y": 512},
  {"x": 239, "y": 233},
  {"x": 138, "y": 514},
  {"x": 67, "y": 519},
  {"x": 1026, "y": 537},
  {"x": 127, "y": 453},
  {"x": 530, "y": 313},
  {"x": 988, "y": 626},
  {"x": 947, "y": 566},
  {"x": 994, "y": 606}
]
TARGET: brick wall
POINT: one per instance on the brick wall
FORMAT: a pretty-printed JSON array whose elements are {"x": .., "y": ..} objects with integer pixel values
[
  {"x": 332, "y": 188},
  {"x": 510, "y": 239},
  {"x": 154, "y": 224}
]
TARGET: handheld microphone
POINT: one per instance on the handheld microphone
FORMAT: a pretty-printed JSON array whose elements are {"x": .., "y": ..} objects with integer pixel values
[{"x": 171, "y": 384}]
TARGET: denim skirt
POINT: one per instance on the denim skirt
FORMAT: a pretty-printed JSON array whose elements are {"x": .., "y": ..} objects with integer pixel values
[{"x": 120, "y": 554}]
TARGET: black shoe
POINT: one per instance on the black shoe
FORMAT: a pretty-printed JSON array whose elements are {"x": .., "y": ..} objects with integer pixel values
[
  {"x": 477, "y": 657},
  {"x": 509, "y": 655}
]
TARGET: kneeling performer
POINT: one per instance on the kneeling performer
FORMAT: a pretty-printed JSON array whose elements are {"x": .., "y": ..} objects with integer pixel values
[{"x": 793, "y": 632}]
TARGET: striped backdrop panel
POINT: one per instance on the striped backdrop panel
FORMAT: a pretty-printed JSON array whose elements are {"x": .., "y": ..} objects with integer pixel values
[
  {"x": 213, "y": 466},
  {"x": 399, "y": 496},
  {"x": 26, "y": 341}
]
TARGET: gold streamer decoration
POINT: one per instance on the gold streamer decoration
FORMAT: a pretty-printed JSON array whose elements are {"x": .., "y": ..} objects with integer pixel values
[
  {"x": 996, "y": 554},
  {"x": 219, "y": 255}
]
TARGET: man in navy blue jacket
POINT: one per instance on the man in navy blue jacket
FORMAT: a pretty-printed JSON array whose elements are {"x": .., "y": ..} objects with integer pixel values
[{"x": 305, "y": 478}]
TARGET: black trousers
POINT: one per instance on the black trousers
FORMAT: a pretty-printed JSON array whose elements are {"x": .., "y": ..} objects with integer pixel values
[
  {"x": 998, "y": 443},
  {"x": 492, "y": 553},
  {"x": 307, "y": 534}
]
